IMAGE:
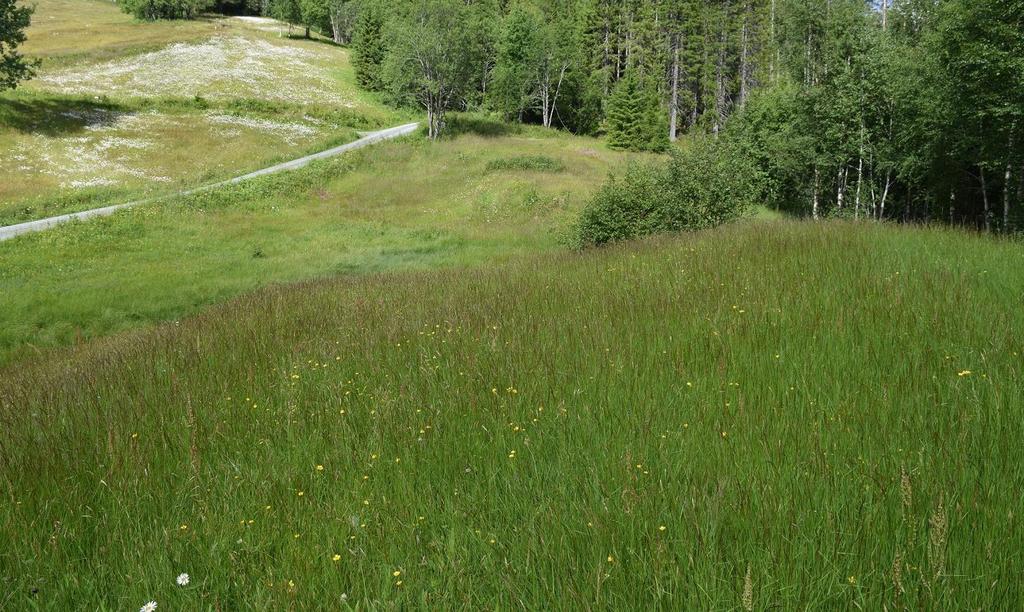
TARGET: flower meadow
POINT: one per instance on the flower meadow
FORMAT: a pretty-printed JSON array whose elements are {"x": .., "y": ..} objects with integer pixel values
[{"x": 770, "y": 415}]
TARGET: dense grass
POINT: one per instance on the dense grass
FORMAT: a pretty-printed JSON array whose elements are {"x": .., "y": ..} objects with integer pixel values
[
  {"x": 526, "y": 163},
  {"x": 785, "y": 415},
  {"x": 397, "y": 205}
]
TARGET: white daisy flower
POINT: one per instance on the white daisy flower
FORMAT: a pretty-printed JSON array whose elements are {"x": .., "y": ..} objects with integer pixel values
[
  {"x": 182, "y": 580},
  {"x": 149, "y": 607}
]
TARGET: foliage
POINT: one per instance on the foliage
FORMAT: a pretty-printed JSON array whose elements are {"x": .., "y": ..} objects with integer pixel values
[
  {"x": 14, "y": 68},
  {"x": 290, "y": 11},
  {"x": 557, "y": 62},
  {"x": 701, "y": 186},
  {"x": 166, "y": 9},
  {"x": 917, "y": 118},
  {"x": 516, "y": 59}
]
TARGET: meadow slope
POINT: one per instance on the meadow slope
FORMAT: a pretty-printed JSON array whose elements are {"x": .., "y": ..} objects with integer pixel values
[
  {"x": 123, "y": 109},
  {"x": 771, "y": 415}
]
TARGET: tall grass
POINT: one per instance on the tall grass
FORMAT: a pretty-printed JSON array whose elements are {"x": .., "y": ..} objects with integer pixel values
[{"x": 768, "y": 415}]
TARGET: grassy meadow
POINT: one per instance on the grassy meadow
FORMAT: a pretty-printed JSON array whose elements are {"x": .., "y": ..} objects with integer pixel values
[
  {"x": 770, "y": 415},
  {"x": 123, "y": 109},
  {"x": 398, "y": 205}
]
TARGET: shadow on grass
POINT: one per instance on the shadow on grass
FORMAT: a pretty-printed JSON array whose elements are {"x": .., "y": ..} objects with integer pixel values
[
  {"x": 56, "y": 116},
  {"x": 323, "y": 40}
]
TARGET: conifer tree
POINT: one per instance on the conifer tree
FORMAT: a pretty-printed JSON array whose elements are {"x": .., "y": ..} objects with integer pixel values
[
  {"x": 369, "y": 47},
  {"x": 635, "y": 120}
]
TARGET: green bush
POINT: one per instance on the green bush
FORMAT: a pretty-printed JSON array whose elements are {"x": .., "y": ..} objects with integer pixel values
[
  {"x": 536, "y": 163},
  {"x": 696, "y": 188},
  {"x": 165, "y": 9}
]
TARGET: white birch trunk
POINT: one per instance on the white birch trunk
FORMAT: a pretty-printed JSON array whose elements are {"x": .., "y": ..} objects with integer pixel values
[
  {"x": 885, "y": 195},
  {"x": 814, "y": 196},
  {"x": 841, "y": 191},
  {"x": 860, "y": 181}
]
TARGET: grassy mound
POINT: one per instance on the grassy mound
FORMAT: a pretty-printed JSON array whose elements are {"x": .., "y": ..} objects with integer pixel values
[{"x": 778, "y": 414}]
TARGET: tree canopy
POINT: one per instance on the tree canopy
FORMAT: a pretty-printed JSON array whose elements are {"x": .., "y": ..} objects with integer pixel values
[{"x": 14, "y": 67}]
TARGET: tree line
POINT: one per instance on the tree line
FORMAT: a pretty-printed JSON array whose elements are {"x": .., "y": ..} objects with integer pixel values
[{"x": 893, "y": 109}]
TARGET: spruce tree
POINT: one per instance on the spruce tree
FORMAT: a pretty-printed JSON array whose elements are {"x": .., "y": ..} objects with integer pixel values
[
  {"x": 369, "y": 47},
  {"x": 634, "y": 118}
]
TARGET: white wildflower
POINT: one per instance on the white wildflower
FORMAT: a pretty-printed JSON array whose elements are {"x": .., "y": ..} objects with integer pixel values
[
  {"x": 149, "y": 607},
  {"x": 182, "y": 580}
]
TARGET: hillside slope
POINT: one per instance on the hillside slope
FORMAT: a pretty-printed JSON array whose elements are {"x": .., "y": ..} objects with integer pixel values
[
  {"x": 122, "y": 108},
  {"x": 785, "y": 415}
]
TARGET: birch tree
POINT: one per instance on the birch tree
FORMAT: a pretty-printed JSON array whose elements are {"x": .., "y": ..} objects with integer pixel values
[{"x": 433, "y": 58}]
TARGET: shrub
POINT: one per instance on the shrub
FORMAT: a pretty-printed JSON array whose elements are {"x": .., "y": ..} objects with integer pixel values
[
  {"x": 536, "y": 163},
  {"x": 696, "y": 188}
]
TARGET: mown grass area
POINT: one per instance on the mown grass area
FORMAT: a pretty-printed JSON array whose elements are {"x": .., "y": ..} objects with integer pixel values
[
  {"x": 396, "y": 206},
  {"x": 68, "y": 153},
  {"x": 771, "y": 415},
  {"x": 124, "y": 110}
]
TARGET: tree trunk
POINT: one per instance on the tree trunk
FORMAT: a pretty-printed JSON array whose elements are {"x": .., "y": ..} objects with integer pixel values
[
  {"x": 841, "y": 188},
  {"x": 885, "y": 15},
  {"x": 1006, "y": 188},
  {"x": 720, "y": 93},
  {"x": 885, "y": 195},
  {"x": 952, "y": 204},
  {"x": 775, "y": 57},
  {"x": 1006, "y": 198},
  {"x": 673, "y": 109},
  {"x": 1020, "y": 186},
  {"x": 860, "y": 180},
  {"x": 744, "y": 63},
  {"x": 984, "y": 198},
  {"x": 605, "y": 61},
  {"x": 814, "y": 196},
  {"x": 307, "y": 31}
]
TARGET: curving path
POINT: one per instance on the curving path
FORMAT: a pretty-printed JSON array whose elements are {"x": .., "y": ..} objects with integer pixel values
[{"x": 11, "y": 231}]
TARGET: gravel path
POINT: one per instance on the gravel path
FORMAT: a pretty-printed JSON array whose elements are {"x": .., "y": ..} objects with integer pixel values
[{"x": 11, "y": 231}]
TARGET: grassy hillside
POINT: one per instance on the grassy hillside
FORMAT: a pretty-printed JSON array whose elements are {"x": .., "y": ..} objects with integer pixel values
[
  {"x": 770, "y": 415},
  {"x": 123, "y": 109},
  {"x": 397, "y": 205}
]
